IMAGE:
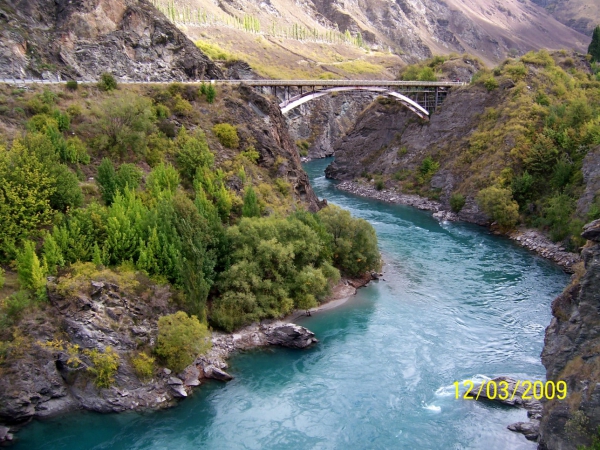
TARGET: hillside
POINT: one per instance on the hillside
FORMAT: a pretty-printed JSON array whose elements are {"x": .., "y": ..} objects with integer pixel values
[
  {"x": 581, "y": 15},
  {"x": 409, "y": 31},
  {"x": 519, "y": 144}
]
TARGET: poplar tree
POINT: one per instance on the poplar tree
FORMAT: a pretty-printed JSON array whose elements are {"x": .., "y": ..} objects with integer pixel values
[{"x": 594, "y": 48}]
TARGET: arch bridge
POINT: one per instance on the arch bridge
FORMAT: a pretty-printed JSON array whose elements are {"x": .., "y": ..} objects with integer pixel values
[{"x": 421, "y": 97}]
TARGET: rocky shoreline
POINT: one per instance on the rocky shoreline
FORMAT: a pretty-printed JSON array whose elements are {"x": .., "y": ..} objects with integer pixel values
[
  {"x": 103, "y": 315},
  {"x": 531, "y": 239}
]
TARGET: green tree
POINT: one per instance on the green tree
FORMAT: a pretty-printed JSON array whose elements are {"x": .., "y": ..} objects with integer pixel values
[
  {"x": 594, "y": 48},
  {"x": 181, "y": 339},
  {"x": 354, "y": 241},
  {"x": 211, "y": 93},
  {"x": 26, "y": 187},
  {"x": 107, "y": 180},
  {"x": 193, "y": 153},
  {"x": 498, "y": 203},
  {"x": 163, "y": 178},
  {"x": 53, "y": 258},
  {"x": 67, "y": 193},
  {"x": 250, "y": 208},
  {"x": 29, "y": 270}
]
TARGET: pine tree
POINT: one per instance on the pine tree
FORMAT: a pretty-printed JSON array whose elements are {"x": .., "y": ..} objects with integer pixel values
[
  {"x": 250, "y": 208},
  {"x": 594, "y": 48},
  {"x": 211, "y": 93}
]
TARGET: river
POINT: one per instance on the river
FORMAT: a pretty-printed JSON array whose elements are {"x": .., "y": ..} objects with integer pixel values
[{"x": 457, "y": 303}]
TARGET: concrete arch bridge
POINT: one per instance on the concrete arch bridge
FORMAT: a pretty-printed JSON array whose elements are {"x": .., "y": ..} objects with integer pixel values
[{"x": 421, "y": 97}]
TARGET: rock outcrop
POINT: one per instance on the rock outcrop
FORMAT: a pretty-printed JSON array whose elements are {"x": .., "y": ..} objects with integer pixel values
[
  {"x": 571, "y": 354},
  {"x": 84, "y": 38}
]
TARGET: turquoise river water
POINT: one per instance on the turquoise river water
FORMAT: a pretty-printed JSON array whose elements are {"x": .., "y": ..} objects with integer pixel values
[{"x": 457, "y": 303}]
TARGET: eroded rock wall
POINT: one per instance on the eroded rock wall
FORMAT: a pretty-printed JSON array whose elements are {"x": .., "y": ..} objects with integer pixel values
[{"x": 82, "y": 39}]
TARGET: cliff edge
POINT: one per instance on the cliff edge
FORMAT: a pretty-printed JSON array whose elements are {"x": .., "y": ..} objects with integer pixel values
[{"x": 572, "y": 353}]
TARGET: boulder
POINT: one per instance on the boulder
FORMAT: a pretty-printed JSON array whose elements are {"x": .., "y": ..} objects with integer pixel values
[
  {"x": 531, "y": 429},
  {"x": 289, "y": 335},
  {"x": 216, "y": 374},
  {"x": 178, "y": 390}
]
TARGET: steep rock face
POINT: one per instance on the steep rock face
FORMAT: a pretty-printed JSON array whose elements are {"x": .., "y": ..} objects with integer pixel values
[
  {"x": 388, "y": 138},
  {"x": 571, "y": 354},
  {"x": 43, "y": 381},
  {"x": 81, "y": 39},
  {"x": 323, "y": 121}
]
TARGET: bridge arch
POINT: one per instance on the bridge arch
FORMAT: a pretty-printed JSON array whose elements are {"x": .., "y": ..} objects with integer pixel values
[{"x": 298, "y": 100}]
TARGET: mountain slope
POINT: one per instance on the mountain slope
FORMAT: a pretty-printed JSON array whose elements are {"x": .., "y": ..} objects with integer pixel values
[{"x": 411, "y": 29}]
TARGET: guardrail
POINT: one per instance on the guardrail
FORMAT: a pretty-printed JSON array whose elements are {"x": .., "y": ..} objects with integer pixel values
[{"x": 260, "y": 83}]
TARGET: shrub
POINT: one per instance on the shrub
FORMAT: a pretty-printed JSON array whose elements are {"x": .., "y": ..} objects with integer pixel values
[
  {"x": 143, "y": 365},
  {"x": 2, "y": 278},
  {"x": 490, "y": 83},
  {"x": 16, "y": 303},
  {"x": 104, "y": 366},
  {"x": 457, "y": 201},
  {"x": 556, "y": 216},
  {"x": 72, "y": 85},
  {"x": 29, "y": 269},
  {"x": 75, "y": 151},
  {"x": 227, "y": 135},
  {"x": 123, "y": 123},
  {"x": 497, "y": 203},
  {"x": 379, "y": 184},
  {"x": 251, "y": 154},
  {"x": 181, "y": 339},
  {"x": 107, "y": 82}
]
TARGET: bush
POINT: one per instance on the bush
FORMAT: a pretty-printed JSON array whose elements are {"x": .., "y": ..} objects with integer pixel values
[
  {"x": 227, "y": 135},
  {"x": 16, "y": 303},
  {"x": 181, "y": 339},
  {"x": 72, "y": 85},
  {"x": 490, "y": 83},
  {"x": 2, "y": 278},
  {"x": 107, "y": 82},
  {"x": 557, "y": 216},
  {"x": 497, "y": 203},
  {"x": 251, "y": 154},
  {"x": 379, "y": 184},
  {"x": 107, "y": 180},
  {"x": 211, "y": 93},
  {"x": 104, "y": 366},
  {"x": 193, "y": 153},
  {"x": 143, "y": 365},
  {"x": 457, "y": 201}
]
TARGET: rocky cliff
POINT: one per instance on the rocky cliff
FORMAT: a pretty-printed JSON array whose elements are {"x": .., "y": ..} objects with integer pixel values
[
  {"x": 572, "y": 354},
  {"x": 83, "y": 38}
]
